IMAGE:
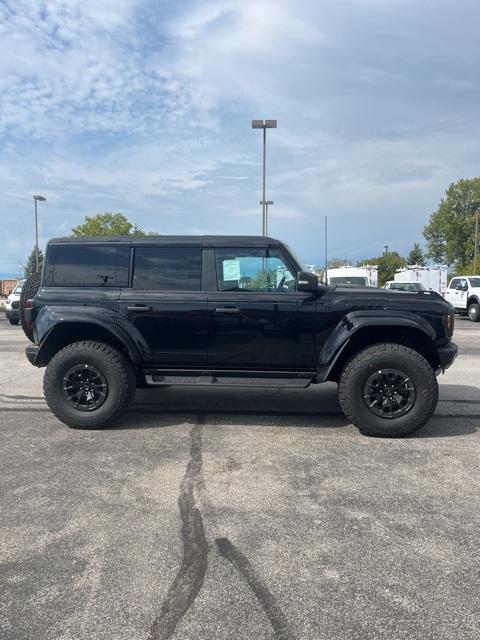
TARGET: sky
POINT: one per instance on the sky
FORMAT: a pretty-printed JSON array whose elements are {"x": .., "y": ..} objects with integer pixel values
[{"x": 144, "y": 107}]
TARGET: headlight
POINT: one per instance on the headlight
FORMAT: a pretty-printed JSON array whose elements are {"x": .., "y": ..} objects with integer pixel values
[{"x": 9, "y": 299}]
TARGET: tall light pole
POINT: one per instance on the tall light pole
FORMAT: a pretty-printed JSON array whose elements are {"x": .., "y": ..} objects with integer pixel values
[
  {"x": 264, "y": 124},
  {"x": 476, "y": 204},
  {"x": 266, "y": 203},
  {"x": 37, "y": 199}
]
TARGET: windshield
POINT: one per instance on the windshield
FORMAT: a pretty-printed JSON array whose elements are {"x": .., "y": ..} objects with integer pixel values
[
  {"x": 349, "y": 281},
  {"x": 19, "y": 287},
  {"x": 407, "y": 286},
  {"x": 301, "y": 263},
  {"x": 475, "y": 282}
]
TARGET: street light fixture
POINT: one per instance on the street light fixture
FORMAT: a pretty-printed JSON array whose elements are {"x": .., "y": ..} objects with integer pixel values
[
  {"x": 37, "y": 199},
  {"x": 264, "y": 124}
]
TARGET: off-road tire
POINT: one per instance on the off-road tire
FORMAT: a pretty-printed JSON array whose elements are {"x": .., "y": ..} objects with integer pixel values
[
  {"x": 383, "y": 356},
  {"x": 29, "y": 291},
  {"x": 474, "y": 312},
  {"x": 13, "y": 320},
  {"x": 115, "y": 368}
]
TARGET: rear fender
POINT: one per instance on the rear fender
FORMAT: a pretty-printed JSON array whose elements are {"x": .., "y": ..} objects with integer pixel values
[{"x": 62, "y": 325}]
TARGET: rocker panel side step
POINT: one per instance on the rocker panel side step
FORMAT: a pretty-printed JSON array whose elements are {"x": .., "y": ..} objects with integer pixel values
[{"x": 159, "y": 380}]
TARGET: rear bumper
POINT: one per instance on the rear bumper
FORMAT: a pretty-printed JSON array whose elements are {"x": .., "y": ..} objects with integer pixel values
[
  {"x": 447, "y": 354},
  {"x": 12, "y": 314},
  {"x": 32, "y": 353}
]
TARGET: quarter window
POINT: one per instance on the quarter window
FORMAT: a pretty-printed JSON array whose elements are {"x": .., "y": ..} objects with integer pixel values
[
  {"x": 168, "y": 268},
  {"x": 253, "y": 270},
  {"x": 82, "y": 265}
]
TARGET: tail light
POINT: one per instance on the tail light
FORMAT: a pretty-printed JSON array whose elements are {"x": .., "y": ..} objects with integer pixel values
[
  {"x": 449, "y": 324},
  {"x": 27, "y": 314}
]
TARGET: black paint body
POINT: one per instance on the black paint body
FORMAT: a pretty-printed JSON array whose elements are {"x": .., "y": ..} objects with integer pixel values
[{"x": 299, "y": 333}]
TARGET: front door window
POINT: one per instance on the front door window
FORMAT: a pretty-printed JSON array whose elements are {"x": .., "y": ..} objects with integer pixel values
[{"x": 260, "y": 270}]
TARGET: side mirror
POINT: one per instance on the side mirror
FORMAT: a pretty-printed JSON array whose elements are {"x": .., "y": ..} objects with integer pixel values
[{"x": 307, "y": 282}]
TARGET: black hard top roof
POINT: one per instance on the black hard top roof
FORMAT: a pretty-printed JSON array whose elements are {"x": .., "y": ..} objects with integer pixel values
[{"x": 205, "y": 241}]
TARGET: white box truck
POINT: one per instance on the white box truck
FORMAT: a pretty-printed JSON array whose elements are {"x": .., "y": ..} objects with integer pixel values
[
  {"x": 433, "y": 278},
  {"x": 348, "y": 276}
]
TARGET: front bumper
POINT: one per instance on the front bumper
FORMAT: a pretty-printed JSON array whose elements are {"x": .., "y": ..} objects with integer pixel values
[{"x": 447, "y": 354}]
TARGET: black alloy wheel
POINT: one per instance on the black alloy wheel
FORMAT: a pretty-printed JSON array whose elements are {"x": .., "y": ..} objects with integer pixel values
[
  {"x": 85, "y": 387},
  {"x": 389, "y": 393}
]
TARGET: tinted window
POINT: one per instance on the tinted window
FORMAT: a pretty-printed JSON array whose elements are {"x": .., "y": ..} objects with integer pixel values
[
  {"x": 168, "y": 269},
  {"x": 454, "y": 283},
  {"x": 252, "y": 270},
  {"x": 79, "y": 265}
]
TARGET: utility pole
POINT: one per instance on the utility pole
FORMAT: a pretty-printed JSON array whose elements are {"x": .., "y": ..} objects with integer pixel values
[
  {"x": 477, "y": 203},
  {"x": 267, "y": 124},
  {"x": 37, "y": 199},
  {"x": 386, "y": 249}
]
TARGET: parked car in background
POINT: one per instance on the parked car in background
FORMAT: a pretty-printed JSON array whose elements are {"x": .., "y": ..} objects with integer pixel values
[
  {"x": 12, "y": 305},
  {"x": 463, "y": 293},
  {"x": 404, "y": 286}
]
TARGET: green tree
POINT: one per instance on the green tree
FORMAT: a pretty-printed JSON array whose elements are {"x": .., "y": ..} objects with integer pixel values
[
  {"x": 416, "y": 255},
  {"x": 450, "y": 230},
  {"x": 107, "y": 224},
  {"x": 387, "y": 264},
  {"x": 334, "y": 263},
  {"x": 31, "y": 265}
]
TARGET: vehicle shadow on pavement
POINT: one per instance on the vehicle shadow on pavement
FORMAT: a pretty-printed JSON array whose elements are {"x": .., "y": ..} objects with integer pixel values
[
  {"x": 312, "y": 407},
  {"x": 458, "y": 411}
]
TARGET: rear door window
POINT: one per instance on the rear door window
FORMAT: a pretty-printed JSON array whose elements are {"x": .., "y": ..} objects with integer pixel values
[
  {"x": 79, "y": 265},
  {"x": 168, "y": 268}
]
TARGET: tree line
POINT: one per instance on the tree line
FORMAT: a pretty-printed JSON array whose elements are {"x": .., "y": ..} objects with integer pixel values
[{"x": 449, "y": 235}]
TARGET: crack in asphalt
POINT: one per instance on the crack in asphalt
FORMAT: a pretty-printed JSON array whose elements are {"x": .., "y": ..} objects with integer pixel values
[
  {"x": 257, "y": 585},
  {"x": 190, "y": 577}
]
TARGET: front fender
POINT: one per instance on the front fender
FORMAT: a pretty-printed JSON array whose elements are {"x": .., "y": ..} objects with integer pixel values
[
  {"x": 52, "y": 319},
  {"x": 352, "y": 322}
]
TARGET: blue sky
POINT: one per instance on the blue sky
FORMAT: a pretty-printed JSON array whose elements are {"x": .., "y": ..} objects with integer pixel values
[{"x": 144, "y": 107}]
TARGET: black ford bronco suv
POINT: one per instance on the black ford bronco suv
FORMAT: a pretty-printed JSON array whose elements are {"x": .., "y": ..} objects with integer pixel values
[{"x": 111, "y": 314}]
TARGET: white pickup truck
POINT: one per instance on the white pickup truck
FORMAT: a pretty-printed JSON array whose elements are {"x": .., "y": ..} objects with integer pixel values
[{"x": 463, "y": 293}]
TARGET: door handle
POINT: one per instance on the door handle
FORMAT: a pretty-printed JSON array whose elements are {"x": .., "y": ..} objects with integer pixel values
[
  {"x": 139, "y": 308},
  {"x": 228, "y": 310}
]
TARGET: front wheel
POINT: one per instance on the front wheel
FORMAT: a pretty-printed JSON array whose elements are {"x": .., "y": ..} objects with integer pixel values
[
  {"x": 388, "y": 390},
  {"x": 88, "y": 384},
  {"x": 13, "y": 320},
  {"x": 474, "y": 312}
]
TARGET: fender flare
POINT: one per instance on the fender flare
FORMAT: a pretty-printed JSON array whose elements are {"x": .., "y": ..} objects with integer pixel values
[
  {"x": 354, "y": 321},
  {"x": 51, "y": 320}
]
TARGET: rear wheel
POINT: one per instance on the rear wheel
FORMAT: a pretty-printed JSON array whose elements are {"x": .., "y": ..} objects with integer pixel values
[
  {"x": 388, "y": 390},
  {"x": 474, "y": 312},
  {"x": 89, "y": 384},
  {"x": 29, "y": 291}
]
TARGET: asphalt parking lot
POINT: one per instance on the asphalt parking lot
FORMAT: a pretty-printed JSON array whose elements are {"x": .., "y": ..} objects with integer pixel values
[{"x": 236, "y": 514}]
